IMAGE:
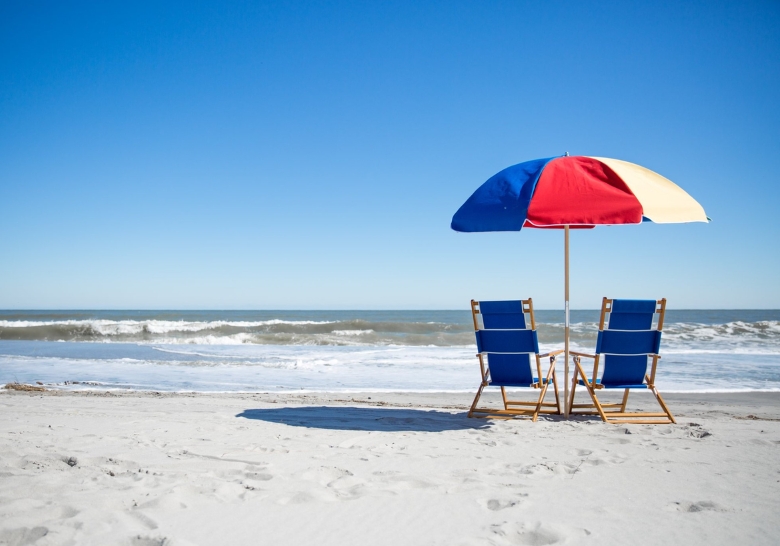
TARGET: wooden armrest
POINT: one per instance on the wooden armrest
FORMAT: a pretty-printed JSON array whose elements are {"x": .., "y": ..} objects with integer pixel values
[
  {"x": 581, "y": 354},
  {"x": 551, "y": 353}
]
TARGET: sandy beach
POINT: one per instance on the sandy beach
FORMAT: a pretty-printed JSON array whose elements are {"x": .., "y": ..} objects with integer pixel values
[{"x": 145, "y": 468}]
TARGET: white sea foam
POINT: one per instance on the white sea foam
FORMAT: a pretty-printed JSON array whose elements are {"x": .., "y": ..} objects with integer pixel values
[
  {"x": 342, "y": 351},
  {"x": 114, "y": 327},
  {"x": 247, "y": 367},
  {"x": 234, "y": 339}
]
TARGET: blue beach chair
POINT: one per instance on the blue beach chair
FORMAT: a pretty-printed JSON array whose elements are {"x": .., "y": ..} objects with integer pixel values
[
  {"x": 506, "y": 346},
  {"x": 626, "y": 345}
]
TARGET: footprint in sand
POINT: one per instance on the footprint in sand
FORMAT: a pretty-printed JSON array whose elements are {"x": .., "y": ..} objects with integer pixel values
[
  {"x": 494, "y": 505},
  {"x": 701, "y": 506},
  {"x": 335, "y": 484},
  {"x": 66, "y": 512},
  {"x": 149, "y": 541},
  {"x": 535, "y": 535},
  {"x": 560, "y": 468},
  {"x": 22, "y": 535},
  {"x": 539, "y": 468},
  {"x": 143, "y": 518},
  {"x": 326, "y": 476},
  {"x": 258, "y": 476},
  {"x": 385, "y": 473}
]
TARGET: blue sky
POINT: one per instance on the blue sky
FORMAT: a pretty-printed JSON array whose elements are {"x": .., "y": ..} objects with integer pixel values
[{"x": 310, "y": 155}]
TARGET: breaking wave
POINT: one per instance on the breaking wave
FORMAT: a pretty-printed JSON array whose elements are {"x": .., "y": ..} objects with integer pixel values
[
  {"x": 757, "y": 337},
  {"x": 218, "y": 332}
]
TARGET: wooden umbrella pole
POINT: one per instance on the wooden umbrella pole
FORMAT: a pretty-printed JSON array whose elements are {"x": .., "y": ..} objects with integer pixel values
[{"x": 566, "y": 326}]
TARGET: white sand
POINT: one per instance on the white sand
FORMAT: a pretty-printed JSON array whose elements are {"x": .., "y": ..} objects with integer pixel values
[{"x": 335, "y": 469}]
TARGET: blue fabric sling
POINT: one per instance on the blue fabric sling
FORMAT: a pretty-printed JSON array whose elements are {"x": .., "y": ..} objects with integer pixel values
[
  {"x": 502, "y": 314},
  {"x": 627, "y": 342},
  {"x": 508, "y": 343}
]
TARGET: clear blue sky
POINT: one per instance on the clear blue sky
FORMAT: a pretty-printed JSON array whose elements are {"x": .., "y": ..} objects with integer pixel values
[{"x": 311, "y": 154}]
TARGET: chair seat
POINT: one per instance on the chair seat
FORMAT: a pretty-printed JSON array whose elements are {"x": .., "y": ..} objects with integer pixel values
[
  {"x": 610, "y": 386},
  {"x": 536, "y": 380}
]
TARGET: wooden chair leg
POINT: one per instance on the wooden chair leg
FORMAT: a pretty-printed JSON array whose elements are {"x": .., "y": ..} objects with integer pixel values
[
  {"x": 660, "y": 400},
  {"x": 503, "y": 395},
  {"x": 596, "y": 402},
  {"x": 625, "y": 401},
  {"x": 663, "y": 406},
  {"x": 592, "y": 393},
  {"x": 539, "y": 403},
  {"x": 545, "y": 386},
  {"x": 573, "y": 387},
  {"x": 476, "y": 400},
  {"x": 557, "y": 397}
]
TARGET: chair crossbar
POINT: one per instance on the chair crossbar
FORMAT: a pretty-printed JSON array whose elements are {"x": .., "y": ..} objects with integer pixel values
[
  {"x": 628, "y": 354},
  {"x": 486, "y": 415},
  {"x": 511, "y": 411},
  {"x": 636, "y": 414},
  {"x": 518, "y": 403},
  {"x": 508, "y": 353},
  {"x": 666, "y": 421}
]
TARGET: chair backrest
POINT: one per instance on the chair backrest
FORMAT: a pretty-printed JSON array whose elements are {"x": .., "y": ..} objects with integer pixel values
[
  {"x": 502, "y": 314},
  {"x": 507, "y": 340},
  {"x": 628, "y": 339}
]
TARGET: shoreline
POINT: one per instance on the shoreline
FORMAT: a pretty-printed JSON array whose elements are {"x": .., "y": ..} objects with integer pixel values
[{"x": 435, "y": 399}]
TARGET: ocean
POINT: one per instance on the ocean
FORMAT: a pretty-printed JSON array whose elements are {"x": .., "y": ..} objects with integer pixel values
[{"x": 348, "y": 351}]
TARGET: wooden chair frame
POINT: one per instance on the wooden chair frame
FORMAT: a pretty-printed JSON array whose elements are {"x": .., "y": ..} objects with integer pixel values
[
  {"x": 526, "y": 409},
  {"x": 616, "y": 413}
]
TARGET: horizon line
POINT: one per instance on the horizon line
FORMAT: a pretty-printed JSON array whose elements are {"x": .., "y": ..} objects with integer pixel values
[{"x": 346, "y": 309}]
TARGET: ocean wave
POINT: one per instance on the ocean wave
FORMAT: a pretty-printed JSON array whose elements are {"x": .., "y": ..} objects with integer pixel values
[
  {"x": 759, "y": 337},
  {"x": 266, "y": 332},
  {"x": 119, "y": 327}
]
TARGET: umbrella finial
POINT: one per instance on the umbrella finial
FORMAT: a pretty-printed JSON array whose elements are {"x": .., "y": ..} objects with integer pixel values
[{"x": 567, "y": 154}]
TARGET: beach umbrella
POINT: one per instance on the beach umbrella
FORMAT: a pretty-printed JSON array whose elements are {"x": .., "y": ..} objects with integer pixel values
[{"x": 574, "y": 192}]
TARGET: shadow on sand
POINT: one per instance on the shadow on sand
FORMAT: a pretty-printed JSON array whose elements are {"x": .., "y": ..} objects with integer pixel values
[{"x": 371, "y": 419}]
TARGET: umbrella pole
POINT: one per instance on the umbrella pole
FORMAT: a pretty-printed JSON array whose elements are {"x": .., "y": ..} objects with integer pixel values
[{"x": 566, "y": 326}]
